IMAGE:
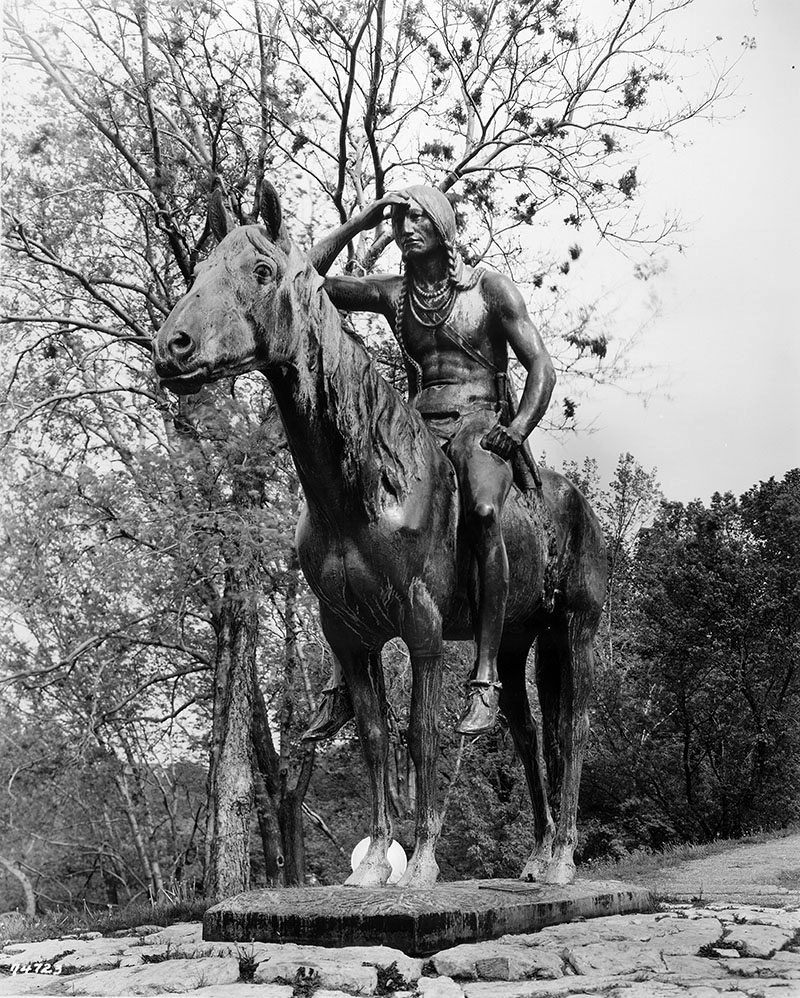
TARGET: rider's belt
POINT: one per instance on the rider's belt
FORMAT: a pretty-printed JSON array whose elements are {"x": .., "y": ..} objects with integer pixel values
[
  {"x": 464, "y": 410},
  {"x": 443, "y": 414}
]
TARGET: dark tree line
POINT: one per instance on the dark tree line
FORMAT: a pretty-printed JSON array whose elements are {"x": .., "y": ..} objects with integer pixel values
[{"x": 696, "y": 732}]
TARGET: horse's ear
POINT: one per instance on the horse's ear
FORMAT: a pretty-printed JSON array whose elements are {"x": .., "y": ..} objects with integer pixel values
[
  {"x": 218, "y": 215},
  {"x": 270, "y": 208}
]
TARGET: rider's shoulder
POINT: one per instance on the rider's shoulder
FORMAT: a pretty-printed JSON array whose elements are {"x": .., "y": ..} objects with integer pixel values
[{"x": 500, "y": 290}]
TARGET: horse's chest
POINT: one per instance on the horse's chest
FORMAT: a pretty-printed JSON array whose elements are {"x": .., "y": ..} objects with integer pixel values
[{"x": 356, "y": 582}]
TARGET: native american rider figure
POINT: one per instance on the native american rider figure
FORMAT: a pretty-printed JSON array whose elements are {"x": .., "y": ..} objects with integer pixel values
[{"x": 454, "y": 325}]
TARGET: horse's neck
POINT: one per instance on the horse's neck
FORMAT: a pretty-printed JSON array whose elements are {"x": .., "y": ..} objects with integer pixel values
[{"x": 353, "y": 439}]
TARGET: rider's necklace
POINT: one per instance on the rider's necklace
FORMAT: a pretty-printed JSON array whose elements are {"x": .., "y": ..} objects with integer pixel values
[{"x": 433, "y": 306}]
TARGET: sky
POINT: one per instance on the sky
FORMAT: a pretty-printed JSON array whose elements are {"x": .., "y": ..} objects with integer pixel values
[
  {"x": 722, "y": 392},
  {"x": 716, "y": 406}
]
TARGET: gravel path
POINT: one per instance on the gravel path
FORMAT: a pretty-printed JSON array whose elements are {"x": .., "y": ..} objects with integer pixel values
[{"x": 767, "y": 873}]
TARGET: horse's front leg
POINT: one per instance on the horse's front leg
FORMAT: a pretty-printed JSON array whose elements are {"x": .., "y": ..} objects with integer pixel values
[
  {"x": 422, "y": 634},
  {"x": 363, "y": 674}
]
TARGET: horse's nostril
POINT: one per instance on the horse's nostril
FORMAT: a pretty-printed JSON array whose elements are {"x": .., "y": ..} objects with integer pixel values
[{"x": 181, "y": 342}]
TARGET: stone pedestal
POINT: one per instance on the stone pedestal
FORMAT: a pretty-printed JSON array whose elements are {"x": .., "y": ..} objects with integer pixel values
[{"x": 419, "y": 921}]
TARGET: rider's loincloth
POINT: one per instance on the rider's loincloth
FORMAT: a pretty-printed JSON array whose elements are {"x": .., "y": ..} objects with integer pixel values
[
  {"x": 474, "y": 416},
  {"x": 445, "y": 425}
]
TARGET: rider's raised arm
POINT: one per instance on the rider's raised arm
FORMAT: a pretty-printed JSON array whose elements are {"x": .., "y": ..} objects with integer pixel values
[
  {"x": 355, "y": 294},
  {"x": 524, "y": 339},
  {"x": 323, "y": 253}
]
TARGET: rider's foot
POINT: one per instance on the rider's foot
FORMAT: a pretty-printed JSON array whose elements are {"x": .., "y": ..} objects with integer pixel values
[
  {"x": 483, "y": 706},
  {"x": 335, "y": 711}
]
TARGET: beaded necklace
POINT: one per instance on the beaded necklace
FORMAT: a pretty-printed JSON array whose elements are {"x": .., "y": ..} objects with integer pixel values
[
  {"x": 438, "y": 312},
  {"x": 433, "y": 310}
]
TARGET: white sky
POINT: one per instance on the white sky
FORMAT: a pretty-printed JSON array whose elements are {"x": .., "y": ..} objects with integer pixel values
[
  {"x": 724, "y": 346},
  {"x": 721, "y": 409}
]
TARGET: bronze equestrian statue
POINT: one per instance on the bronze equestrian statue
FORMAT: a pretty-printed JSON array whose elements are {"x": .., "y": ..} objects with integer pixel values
[
  {"x": 454, "y": 325},
  {"x": 382, "y": 541}
]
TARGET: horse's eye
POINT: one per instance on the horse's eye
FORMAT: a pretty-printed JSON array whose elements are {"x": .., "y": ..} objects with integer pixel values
[{"x": 264, "y": 270}]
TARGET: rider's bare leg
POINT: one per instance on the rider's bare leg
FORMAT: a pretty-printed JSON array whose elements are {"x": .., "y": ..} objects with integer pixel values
[
  {"x": 485, "y": 480},
  {"x": 335, "y": 708}
]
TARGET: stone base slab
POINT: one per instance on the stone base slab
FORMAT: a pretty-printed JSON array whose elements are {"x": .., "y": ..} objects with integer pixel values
[{"x": 418, "y": 921}]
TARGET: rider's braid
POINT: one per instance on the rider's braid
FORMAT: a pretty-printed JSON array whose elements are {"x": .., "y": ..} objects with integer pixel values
[
  {"x": 398, "y": 332},
  {"x": 452, "y": 264}
]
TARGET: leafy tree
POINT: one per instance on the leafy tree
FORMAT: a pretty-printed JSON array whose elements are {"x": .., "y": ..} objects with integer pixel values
[
  {"x": 106, "y": 216},
  {"x": 131, "y": 115},
  {"x": 704, "y": 708}
]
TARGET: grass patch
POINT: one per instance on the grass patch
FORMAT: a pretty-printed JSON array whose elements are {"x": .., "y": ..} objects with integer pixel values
[
  {"x": 247, "y": 967},
  {"x": 792, "y": 945},
  {"x": 305, "y": 983},
  {"x": 709, "y": 950},
  {"x": 159, "y": 957},
  {"x": 69, "y": 921},
  {"x": 390, "y": 980},
  {"x": 644, "y": 862},
  {"x": 789, "y": 878}
]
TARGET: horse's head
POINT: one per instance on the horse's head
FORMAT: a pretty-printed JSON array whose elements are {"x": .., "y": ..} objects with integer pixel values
[{"x": 222, "y": 326}]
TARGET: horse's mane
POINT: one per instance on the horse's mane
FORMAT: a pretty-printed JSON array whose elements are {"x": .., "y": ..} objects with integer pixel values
[{"x": 383, "y": 437}]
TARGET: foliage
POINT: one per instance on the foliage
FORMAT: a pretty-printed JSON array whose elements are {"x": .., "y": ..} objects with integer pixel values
[
  {"x": 521, "y": 107},
  {"x": 696, "y": 733},
  {"x": 147, "y": 559},
  {"x": 139, "y": 524},
  {"x": 525, "y": 114},
  {"x": 390, "y": 980}
]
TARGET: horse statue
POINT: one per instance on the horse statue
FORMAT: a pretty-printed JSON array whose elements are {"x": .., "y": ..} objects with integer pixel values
[{"x": 380, "y": 541}]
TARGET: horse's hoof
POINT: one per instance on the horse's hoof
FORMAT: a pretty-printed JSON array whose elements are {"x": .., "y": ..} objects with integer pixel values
[
  {"x": 419, "y": 879},
  {"x": 483, "y": 706},
  {"x": 334, "y": 712},
  {"x": 558, "y": 872},
  {"x": 372, "y": 877},
  {"x": 534, "y": 871},
  {"x": 420, "y": 873}
]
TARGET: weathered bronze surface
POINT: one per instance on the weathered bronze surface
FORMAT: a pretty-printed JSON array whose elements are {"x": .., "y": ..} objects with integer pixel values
[
  {"x": 418, "y": 921},
  {"x": 382, "y": 542},
  {"x": 454, "y": 325}
]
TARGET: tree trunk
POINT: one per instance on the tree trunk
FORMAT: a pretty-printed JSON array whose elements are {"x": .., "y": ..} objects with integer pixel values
[
  {"x": 139, "y": 804},
  {"x": 230, "y": 778},
  {"x": 275, "y": 768},
  {"x": 284, "y": 846},
  {"x": 136, "y": 831},
  {"x": 27, "y": 887},
  {"x": 290, "y": 819},
  {"x": 271, "y": 840}
]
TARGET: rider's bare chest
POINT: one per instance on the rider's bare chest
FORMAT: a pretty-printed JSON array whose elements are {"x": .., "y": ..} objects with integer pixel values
[{"x": 470, "y": 322}]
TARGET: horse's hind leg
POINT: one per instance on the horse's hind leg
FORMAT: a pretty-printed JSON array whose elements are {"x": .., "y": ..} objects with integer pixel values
[
  {"x": 565, "y": 676},
  {"x": 364, "y": 677},
  {"x": 516, "y": 707}
]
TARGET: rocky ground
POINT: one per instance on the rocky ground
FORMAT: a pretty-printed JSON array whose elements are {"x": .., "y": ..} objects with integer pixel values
[{"x": 687, "y": 949}]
